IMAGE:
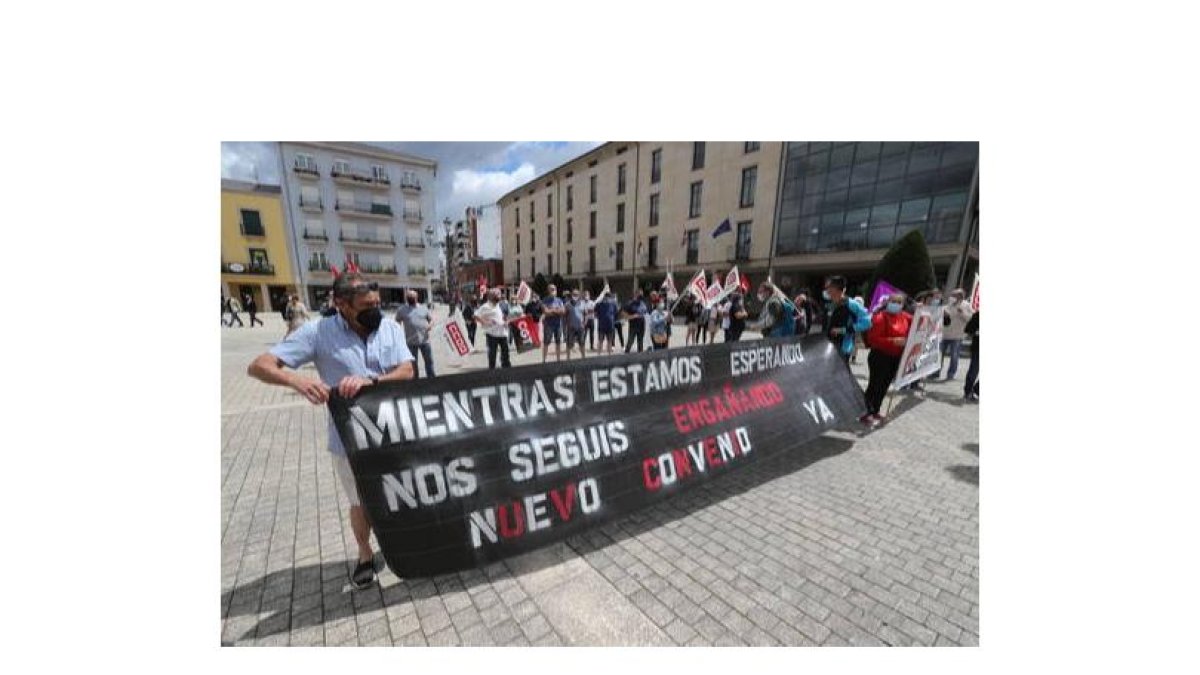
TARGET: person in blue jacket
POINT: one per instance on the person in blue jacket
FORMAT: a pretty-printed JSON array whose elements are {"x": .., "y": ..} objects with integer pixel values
[{"x": 847, "y": 318}]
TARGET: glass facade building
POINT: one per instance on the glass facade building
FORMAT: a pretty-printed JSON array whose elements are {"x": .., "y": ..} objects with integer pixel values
[{"x": 865, "y": 195}]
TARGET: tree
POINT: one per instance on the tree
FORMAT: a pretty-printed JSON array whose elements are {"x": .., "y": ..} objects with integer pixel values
[
  {"x": 559, "y": 283},
  {"x": 539, "y": 284},
  {"x": 906, "y": 265}
]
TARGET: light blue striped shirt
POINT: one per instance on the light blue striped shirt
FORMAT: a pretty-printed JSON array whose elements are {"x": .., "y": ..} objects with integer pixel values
[{"x": 338, "y": 351}]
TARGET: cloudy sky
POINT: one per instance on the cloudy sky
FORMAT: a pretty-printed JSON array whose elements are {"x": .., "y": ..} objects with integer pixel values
[{"x": 469, "y": 174}]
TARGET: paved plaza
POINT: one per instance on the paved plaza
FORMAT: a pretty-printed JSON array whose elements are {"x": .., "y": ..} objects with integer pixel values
[{"x": 853, "y": 539}]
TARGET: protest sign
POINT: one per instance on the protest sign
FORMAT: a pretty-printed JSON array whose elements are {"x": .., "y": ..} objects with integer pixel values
[
  {"x": 461, "y": 470},
  {"x": 975, "y": 294},
  {"x": 455, "y": 337},
  {"x": 527, "y": 333},
  {"x": 922, "y": 354}
]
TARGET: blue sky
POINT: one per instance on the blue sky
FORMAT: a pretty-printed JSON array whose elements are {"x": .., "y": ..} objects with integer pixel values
[{"x": 469, "y": 174}]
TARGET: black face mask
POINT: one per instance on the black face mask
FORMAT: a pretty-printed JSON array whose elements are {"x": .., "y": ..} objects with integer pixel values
[{"x": 370, "y": 318}]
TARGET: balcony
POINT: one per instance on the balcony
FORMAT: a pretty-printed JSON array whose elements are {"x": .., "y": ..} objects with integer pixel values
[
  {"x": 410, "y": 185},
  {"x": 417, "y": 271},
  {"x": 309, "y": 172},
  {"x": 311, "y": 205},
  {"x": 361, "y": 239},
  {"x": 356, "y": 178},
  {"x": 315, "y": 235},
  {"x": 389, "y": 270},
  {"x": 314, "y": 266},
  {"x": 374, "y": 211},
  {"x": 414, "y": 242},
  {"x": 412, "y": 215},
  {"x": 265, "y": 269}
]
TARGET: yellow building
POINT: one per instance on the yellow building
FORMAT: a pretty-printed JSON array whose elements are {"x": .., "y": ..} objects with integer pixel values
[{"x": 255, "y": 259}]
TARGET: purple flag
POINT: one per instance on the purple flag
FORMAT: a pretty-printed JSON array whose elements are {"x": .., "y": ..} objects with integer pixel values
[{"x": 880, "y": 295}]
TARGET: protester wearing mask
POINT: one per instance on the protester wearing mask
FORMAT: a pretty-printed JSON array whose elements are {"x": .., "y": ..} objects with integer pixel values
[
  {"x": 589, "y": 320},
  {"x": 494, "y": 318},
  {"x": 886, "y": 338},
  {"x": 846, "y": 317},
  {"x": 636, "y": 311},
  {"x": 735, "y": 311},
  {"x": 574, "y": 319},
  {"x": 353, "y": 349},
  {"x": 660, "y": 337},
  {"x": 777, "y": 318},
  {"x": 957, "y": 314},
  {"x": 552, "y": 313},
  {"x": 417, "y": 320},
  {"x": 606, "y": 313}
]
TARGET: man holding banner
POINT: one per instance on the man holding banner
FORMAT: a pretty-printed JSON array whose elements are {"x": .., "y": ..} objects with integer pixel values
[
  {"x": 495, "y": 329},
  {"x": 352, "y": 349}
]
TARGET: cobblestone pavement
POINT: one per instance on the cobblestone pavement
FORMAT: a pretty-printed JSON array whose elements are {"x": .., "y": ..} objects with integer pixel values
[{"x": 854, "y": 539}]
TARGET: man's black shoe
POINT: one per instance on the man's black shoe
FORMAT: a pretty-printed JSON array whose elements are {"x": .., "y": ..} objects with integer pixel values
[{"x": 363, "y": 576}]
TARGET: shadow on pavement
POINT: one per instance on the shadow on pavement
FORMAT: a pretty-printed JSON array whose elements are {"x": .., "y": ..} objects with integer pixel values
[
  {"x": 312, "y": 595},
  {"x": 965, "y": 473}
]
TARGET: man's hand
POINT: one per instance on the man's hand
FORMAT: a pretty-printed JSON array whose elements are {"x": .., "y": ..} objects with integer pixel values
[
  {"x": 316, "y": 391},
  {"x": 351, "y": 384}
]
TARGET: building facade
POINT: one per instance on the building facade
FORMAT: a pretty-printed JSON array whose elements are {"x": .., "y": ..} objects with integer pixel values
[
  {"x": 629, "y": 211},
  {"x": 798, "y": 211},
  {"x": 356, "y": 202},
  {"x": 844, "y": 204},
  {"x": 255, "y": 256}
]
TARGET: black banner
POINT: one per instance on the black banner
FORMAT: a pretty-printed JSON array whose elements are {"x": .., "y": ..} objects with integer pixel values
[{"x": 461, "y": 470}]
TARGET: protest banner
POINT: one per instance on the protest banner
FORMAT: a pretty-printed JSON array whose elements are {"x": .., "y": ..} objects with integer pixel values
[
  {"x": 524, "y": 294},
  {"x": 879, "y": 296},
  {"x": 461, "y": 470},
  {"x": 923, "y": 350}
]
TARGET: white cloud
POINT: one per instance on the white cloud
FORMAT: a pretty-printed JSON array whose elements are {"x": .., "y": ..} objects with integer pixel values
[{"x": 484, "y": 187}]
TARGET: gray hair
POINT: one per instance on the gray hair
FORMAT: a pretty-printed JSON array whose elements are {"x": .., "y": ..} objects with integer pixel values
[{"x": 343, "y": 286}]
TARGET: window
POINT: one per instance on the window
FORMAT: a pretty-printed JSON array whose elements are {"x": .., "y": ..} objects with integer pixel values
[
  {"x": 570, "y": 197},
  {"x": 252, "y": 224},
  {"x": 341, "y": 166},
  {"x": 694, "y": 199},
  {"x": 258, "y": 257},
  {"x": 379, "y": 172},
  {"x": 752, "y": 146},
  {"x": 549, "y": 205},
  {"x": 842, "y": 155},
  {"x": 697, "y": 155},
  {"x": 531, "y": 210},
  {"x": 620, "y": 218},
  {"x": 305, "y": 162},
  {"x": 533, "y": 240},
  {"x": 549, "y": 260},
  {"x": 318, "y": 261},
  {"x": 621, "y": 179},
  {"x": 592, "y": 225},
  {"x": 518, "y": 242},
  {"x": 570, "y": 231},
  {"x": 518, "y": 269},
  {"x": 518, "y": 223},
  {"x": 620, "y": 255},
  {"x": 591, "y": 189},
  {"x": 914, "y": 211},
  {"x": 532, "y": 265},
  {"x": 692, "y": 238},
  {"x": 549, "y": 235},
  {"x": 656, "y": 166},
  {"x": 743, "y": 240},
  {"x": 570, "y": 267},
  {"x": 652, "y": 253},
  {"x": 749, "y": 182},
  {"x": 654, "y": 210},
  {"x": 591, "y": 259}
]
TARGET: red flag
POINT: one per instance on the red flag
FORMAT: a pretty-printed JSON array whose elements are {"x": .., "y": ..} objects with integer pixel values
[
  {"x": 744, "y": 282},
  {"x": 334, "y": 271}
]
